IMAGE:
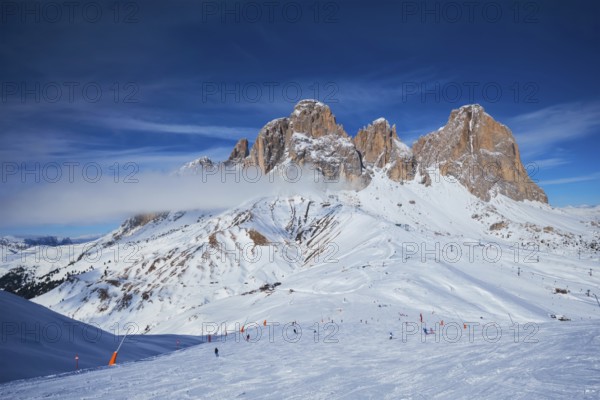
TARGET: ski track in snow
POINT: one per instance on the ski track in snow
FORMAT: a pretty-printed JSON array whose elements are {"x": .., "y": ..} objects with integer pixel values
[{"x": 364, "y": 364}]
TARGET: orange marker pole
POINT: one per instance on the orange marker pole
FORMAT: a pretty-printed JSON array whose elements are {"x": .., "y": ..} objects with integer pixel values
[{"x": 113, "y": 359}]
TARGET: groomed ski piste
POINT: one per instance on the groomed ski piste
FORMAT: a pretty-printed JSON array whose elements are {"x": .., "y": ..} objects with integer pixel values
[
  {"x": 351, "y": 360},
  {"x": 502, "y": 334}
]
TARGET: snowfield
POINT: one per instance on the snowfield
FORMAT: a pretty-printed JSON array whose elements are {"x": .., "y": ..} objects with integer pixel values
[
  {"x": 559, "y": 361},
  {"x": 36, "y": 341},
  {"x": 354, "y": 266}
]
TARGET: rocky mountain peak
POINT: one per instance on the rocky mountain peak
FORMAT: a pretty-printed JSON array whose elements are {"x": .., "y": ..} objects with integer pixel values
[
  {"x": 376, "y": 142},
  {"x": 314, "y": 119},
  {"x": 310, "y": 135},
  {"x": 472, "y": 148},
  {"x": 380, "y": 147},
  {"x": 194, "y": 167},
  {"x": 472, "y": 108},
  {"x": 309, "y": 104},
  {"x": 269, "y": 147},
  {"x": 239, "y": 152},
  {"x": 478, "y": 152}
]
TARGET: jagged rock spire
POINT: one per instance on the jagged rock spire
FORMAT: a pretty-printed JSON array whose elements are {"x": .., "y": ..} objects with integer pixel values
[
  {"x": 239, "y": 152},
  {"x": 477, "y": 151}
]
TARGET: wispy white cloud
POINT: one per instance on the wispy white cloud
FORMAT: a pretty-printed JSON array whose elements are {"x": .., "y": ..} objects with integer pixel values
[
  {"x": 66, "y": 155},
  {"x": 574, "y": 179},
  {"x": 83, "y": 202},
  {"x": 213, "y": 131},
  {"x": 539, "y": 130},
  {"x": 550, "y": 162}
]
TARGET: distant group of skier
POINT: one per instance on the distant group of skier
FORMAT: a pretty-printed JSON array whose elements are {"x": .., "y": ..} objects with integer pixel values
[{"x": 426, "y": 331}]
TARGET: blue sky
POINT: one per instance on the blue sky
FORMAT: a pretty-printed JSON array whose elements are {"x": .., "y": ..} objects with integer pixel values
[{"x": 147, "y": 86}]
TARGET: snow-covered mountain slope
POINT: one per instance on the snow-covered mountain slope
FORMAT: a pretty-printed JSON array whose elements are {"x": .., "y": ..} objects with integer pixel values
[
  {"x": 36, "y": 341},
  {"x": 31, "y": 270},
  {"x": 357, "y": 361},
  {"x": 405, "y": 247},
  {"x": 406, "y": 239}
]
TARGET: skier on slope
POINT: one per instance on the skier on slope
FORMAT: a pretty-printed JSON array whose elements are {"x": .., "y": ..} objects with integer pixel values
[
  {"x": 216, "y": 352},
  {"x": 391, "y": 337}
]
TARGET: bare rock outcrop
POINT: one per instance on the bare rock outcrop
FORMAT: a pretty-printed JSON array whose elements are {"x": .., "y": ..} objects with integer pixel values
[
  {"x": 472, "y": 149},
  {"x": 380, "y": 147},
  {"x": 269, "y": 147},
  {"x": 309, "y": 136},
  {"x": 239, "y": 152},
  {"x": 478, "y": 152}
]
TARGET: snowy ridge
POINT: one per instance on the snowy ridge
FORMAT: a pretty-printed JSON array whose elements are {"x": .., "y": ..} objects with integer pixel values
[
  {"x": 179, "y": 269},
  {"x": 352, "y": 266},
  {"x": 402, "y": 149}
]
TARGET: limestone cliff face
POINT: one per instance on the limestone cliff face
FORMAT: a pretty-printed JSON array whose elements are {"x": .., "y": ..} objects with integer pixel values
[
  {"x": 315, "y": 119},
  {"x": 478, "y": 152},
  {"x": 269, "y": 147},
  {"x": 380, "y": 147},
  {"x": 472, "y": 148},
  {"x": 239, "y": 152},
  {"x": 309, "y": 136}
]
